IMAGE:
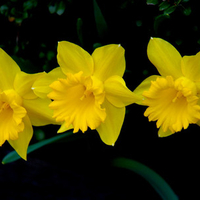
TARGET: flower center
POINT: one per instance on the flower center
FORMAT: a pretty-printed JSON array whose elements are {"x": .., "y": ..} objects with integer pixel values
[
  {"x": 172, "y": 103},
  {"x": 11, "y": 115},
  {"x": 77, "y": 101}
]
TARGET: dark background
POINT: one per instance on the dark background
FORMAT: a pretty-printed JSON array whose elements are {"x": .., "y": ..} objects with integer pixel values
[{"x": 82, "y": 169}]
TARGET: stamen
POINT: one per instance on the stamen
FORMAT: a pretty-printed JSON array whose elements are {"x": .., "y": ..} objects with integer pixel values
[{"x": 178, "y": 95}]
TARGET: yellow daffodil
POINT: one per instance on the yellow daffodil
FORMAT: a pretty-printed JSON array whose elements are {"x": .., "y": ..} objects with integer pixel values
[
  {"x": 20, "y": 108},
  {"x": 88, "y": 90},
  {"x": 173, "y": 97}
]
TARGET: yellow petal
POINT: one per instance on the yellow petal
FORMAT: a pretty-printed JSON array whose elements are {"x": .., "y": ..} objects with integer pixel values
[
  {"x": 117, "y": 93},
  {"x": 24, "y": 82},
  {"x": 109, "y": 60},
  {"x": 164, "y": 57},
  {"x": 144, "y": 86},
  {"x": 8, "y": 70},
  {"x": 73, "y": 59},
  {"x": 191, "y": 67},
  {"x": 198, "y": 86},
  {"x": 39, "y": 112},
  {"x": 161, "y": 133},
  {"x": 41, "y": 85},
  {"x": 110, "y": 129},
  {"x": 21, "y": 144},
  {"x": 64, "y": 128},
  {"x": 198, "y": 123}
]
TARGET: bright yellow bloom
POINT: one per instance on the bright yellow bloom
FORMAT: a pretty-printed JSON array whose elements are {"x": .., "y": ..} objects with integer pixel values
[
  {"x": 20, "y": 108},
  {"x": 88, "y": 90},
  {"x": 173, "y": 97}
]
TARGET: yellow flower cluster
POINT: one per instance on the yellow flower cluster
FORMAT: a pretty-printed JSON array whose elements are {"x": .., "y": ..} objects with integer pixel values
[{"x": 88, "y": 91}]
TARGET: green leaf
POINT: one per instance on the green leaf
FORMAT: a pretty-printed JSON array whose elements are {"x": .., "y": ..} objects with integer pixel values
[
  {"x": 156, "y": 181},
  {"x": 25, "y": 65},
  {"x": 4, "y": 9},
  {"x": 13, "y": 156},
  {"x": 52, "y": 9},
  {"x": 29, "y": 5},
  {"x": 79, "y": 27},
  {"x": 170, "y": 10},
  {"x": 50, "y": 55},
  {"x": 164, "y": 5},
  {"x": 39, "y": 134},
  {"x": 138, "y": 23},
  {"x": 61, "y": 8},
  {"x": 101, "y": 24},
  {"x": 18, "y": 20},
  {"x": 158, "y": 20},
  {"x": 152, "y": 2},
  {"x": 25, "y": 15},
  {"x": 96, "y": 45},
  {"x": 179, "y": 41},
  {"x": 13, "y": 11},
  {"x": 145, "y": 72},
  {"x": 187, "y": 11}
]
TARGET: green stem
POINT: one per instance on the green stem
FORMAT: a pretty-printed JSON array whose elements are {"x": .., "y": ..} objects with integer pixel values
[
  {"x": 13, "y": 156},
  {"x": 157, "y": 182}
]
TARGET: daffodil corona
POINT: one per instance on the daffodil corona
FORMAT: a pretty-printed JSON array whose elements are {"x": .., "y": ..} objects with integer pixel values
[
  {"x": 20, "y": 108},
  {"x": 11, "y": 115},
  {"x": 78, "y": 101},
  {"x": 88, "y": 91},
  {"x": 173, "y": 97}
]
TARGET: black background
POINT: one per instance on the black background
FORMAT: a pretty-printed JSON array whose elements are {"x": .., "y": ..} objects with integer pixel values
[{"x": 82, "y": 169}]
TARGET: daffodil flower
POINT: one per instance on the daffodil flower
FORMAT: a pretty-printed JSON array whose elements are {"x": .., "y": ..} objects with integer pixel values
[
  {"x": 20, "y": 108},
  {"x": 88, "y": 90},
  {"x": 173, "y": 97}
]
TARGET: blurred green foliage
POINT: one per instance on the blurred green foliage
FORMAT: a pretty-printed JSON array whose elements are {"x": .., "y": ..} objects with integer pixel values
[
  {"x": 19, "y": 15},
  {"x": 18, "y": 10},
  {"x": 167, "y": 8},
  {"x": 57, "y": 7},
  {"x": 31, "y": 28}
]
